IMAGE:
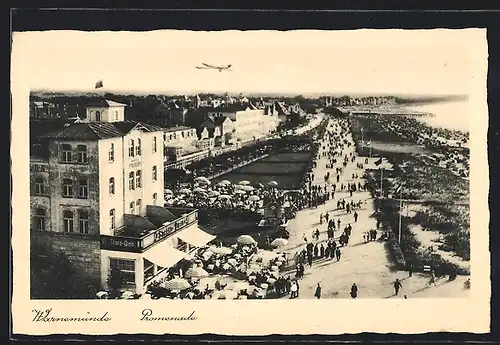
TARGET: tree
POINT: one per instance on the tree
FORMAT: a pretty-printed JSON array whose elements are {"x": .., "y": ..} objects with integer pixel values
[
  {"x": 52, "y": 276},
  {"x": 115, "y": 279}
]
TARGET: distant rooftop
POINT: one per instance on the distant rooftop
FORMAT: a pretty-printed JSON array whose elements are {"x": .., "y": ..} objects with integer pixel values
[
  {"x": 100, "y": 130},
  {"x": 175, "y": 129},
  {"x": 102, "y": 102}
]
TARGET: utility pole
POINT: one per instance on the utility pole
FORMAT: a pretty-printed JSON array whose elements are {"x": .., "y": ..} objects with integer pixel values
[
  {"x": 400, "y": 211},
  {"x": 381, "y": 179}
]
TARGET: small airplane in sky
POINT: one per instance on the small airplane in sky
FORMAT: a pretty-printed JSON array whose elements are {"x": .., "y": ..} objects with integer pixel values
[{"x": 219, "y": 68}]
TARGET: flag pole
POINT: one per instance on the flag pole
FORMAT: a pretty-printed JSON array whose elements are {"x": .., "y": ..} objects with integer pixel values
[
  {"x": 381, "y": 179},
  {"x": 400, "y": 210}
]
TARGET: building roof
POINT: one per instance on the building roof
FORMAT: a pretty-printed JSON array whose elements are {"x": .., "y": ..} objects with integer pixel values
[
  {"x": 281, "y": 109},
  {"x": 102, "y": 102},
  {"x": 176, "y": 129},
  {"x": 100, "y": 130},
  {"x": 230, "y": 108}
]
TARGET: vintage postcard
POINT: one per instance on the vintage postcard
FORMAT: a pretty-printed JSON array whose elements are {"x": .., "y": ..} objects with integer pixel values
[{"x": 171, "y": 182}]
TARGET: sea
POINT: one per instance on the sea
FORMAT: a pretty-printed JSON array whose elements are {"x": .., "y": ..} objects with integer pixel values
[{"x": 453, "y": 115}]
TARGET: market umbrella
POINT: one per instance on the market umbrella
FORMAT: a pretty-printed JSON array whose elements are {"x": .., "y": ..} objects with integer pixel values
[
  {"x": 168, "y": 191},
  {"x": 177, "y": 284},
  {"x": 224, "y": 196},
  {"x": 102, "y": 294},
  {"x": 127, "y": 294},
  {"x": 240, "y": 191},
  {"x": 184, "y": 191},
  {"x": 196, "y": 272},
  {"x": 260, "y": 185},
  {"x": 272, "y": 184},
  {"x": 244, "y": 183},
  {"x": 238, "y": 285},
  {"x": 214, "y": 193},
  {"x": 225, "y": 294},
  {"x": 248, "y": 188},
  {"x": 202, "y": 179},
  {"x": 225, "y": 182},
  {"x": 279, "y": 242},
  {"x": 237, "y": 186},
  {"x": 221, "y": 250},
  {"x": 246, "y": 239},
  {"x": 199, "y": 190},
  {"x": 253, "y": 198}
]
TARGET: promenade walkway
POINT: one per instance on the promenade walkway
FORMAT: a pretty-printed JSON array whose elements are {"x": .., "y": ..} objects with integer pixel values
[{"x": 366, "y": 264}]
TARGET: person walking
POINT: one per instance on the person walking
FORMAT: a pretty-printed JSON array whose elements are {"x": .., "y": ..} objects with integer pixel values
[
  {"x": 354, "y": 291},
  {"x": 293, "y": 290},
  {"x": 317, "y": 294},
  {"x": 432, "y": 281},
  {"x": 410, "y": 270},
  {"x": 337, "y": 253},
  {"x": 355, "y": 216},
  {"x": 397, "y": 286}
]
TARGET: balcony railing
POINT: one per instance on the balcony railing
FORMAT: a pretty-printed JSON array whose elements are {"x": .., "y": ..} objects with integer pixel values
[{"x": 142, "y": 242}]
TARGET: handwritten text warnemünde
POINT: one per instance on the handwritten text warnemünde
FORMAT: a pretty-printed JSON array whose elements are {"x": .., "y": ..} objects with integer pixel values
[
  {"x": 44, "y": 316},
  {"x": 147, "y": 315}
]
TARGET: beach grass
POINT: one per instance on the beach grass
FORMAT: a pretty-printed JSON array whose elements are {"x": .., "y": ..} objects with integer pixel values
[{"x": 440, "y": 191}]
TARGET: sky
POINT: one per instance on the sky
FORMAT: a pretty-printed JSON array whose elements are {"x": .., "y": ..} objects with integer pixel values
[{"x": 292, "y": 62}]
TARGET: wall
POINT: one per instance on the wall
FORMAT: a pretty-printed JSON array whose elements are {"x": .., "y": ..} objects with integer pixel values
[
  {"x": 107, "y": 170},
  {"x": 58, "y": 171},
  {"x": 145, "y": 163},
  {"x": 83, "y": 252},
  {"x": 108, "y": 114},
  {"x": 39, "y": 168}
]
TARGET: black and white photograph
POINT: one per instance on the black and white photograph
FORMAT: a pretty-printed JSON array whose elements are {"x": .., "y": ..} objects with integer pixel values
[{"x": 253, "y": 165}]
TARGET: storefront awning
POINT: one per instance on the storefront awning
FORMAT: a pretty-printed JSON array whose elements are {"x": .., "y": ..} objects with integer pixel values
[
  {"x": 195, "y": 236},
  {"x": 164, "y": 255}
]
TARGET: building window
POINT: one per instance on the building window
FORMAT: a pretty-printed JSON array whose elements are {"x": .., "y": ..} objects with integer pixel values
[
  {"x": 39, "y": 186},
  {"x": 127, "y": 269},
  {"x": 138, "y": 147},
  {"x": 83, "y": 188},
  {"x": 82, "y": 154},
  {"x": 155, "y": 148},
  {"x": 66, "y": 153},
  {"x": 155, "y": 173},
  {"x": 131, "y": 148},
  {"x": 67, "y": 188},
  {"x": 98, "y": 116},
  {"x": 40, "y": 215},
  {"x": 138, "y": 179},
  {"x": 132, "y": 207},
  {"x": 131, "y": 181},
  {"x": 155, "y": 198},
  {"x": 112, "y": 219},
  {"x": 111, "y": 152},
  {"x": 68, "y": 221},
  {"x": 116, "y": 115},
  {"x": 112, "y": 185},
  {"x": 83, "y": 220},
  {"x": 138, "y": 205}
]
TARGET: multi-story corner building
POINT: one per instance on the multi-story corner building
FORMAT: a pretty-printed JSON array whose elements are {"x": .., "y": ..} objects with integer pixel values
[{"x": 97, "y": 195}]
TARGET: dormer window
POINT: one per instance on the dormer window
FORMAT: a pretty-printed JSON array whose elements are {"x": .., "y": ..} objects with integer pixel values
[{"x": 98, "y": 116}]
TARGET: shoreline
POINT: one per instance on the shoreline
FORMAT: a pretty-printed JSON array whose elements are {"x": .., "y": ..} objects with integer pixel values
[{"x": 429, "y": 177}]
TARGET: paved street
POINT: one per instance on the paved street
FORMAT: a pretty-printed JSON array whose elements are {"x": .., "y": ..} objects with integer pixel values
[{"x": 366, "y": 264}]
